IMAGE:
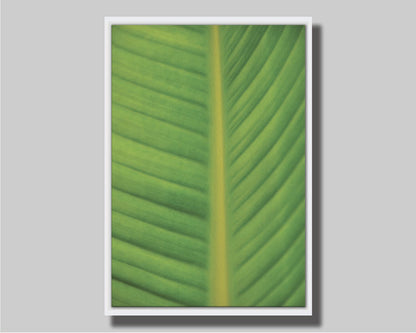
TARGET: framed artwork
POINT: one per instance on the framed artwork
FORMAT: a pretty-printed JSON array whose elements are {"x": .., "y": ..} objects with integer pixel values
[{"x": 208, "y": 166}]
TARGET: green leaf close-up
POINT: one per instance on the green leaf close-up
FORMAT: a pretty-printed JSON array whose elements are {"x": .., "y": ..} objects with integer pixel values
[{"x": 208, "y": 165}]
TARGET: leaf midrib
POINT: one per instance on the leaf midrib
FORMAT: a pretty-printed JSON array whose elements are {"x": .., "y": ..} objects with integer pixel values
[{"x": 218, "y": 263}]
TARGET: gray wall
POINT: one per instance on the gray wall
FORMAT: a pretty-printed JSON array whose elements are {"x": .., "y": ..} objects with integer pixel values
[{"x": 52, "y": 164}]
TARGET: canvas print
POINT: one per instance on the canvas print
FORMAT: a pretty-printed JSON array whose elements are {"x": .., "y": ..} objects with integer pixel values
[{"x": 208, "y": 166}]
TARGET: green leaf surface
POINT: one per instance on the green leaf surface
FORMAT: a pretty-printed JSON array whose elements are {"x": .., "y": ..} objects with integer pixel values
[{"x": 208, "y": 165}]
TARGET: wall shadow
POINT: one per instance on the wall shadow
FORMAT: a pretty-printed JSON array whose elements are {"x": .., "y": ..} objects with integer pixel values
[{"x": 267, "y": 321}]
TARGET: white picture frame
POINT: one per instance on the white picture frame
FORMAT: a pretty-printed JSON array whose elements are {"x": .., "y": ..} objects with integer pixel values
[{"x": 205, "y": 311}]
